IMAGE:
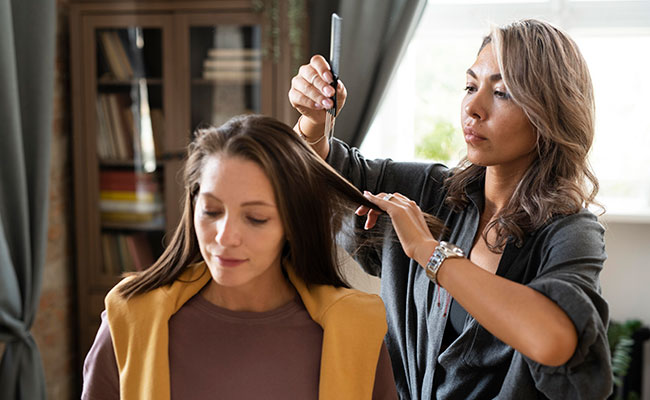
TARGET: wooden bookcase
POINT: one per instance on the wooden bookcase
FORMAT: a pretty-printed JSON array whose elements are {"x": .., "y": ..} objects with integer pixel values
[{"x": 144, "y": 75}]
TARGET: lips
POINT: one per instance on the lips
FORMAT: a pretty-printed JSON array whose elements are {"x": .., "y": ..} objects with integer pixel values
[
  {"x": 471, "y": 136},
  {"x": 229, "y": 262}
]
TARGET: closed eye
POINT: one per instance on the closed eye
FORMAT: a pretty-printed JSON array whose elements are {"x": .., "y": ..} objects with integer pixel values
[{"x": 257, "y": 221}]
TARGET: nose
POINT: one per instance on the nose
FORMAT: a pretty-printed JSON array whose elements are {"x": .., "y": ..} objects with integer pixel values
[
  {"x": 474, "y": 106},
  {"x": 228, "y": 232}
]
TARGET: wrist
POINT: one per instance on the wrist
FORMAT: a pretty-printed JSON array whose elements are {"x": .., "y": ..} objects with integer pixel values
[
  {"x": 310, "y": 131},
  {"x": 424, "y": 251}
]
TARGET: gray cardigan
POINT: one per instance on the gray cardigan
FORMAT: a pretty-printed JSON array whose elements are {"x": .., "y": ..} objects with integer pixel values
[{"x": 562, "y": 260}]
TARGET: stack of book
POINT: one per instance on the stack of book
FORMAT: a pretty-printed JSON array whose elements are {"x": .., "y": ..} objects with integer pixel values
[
  {"x": 117, "y": 60},
  {"x": 126, "y": 252},
  {"x": 115, "y": 127},
  {"x": 130, "y": 200},
  {"x": 233, "y": 65}
]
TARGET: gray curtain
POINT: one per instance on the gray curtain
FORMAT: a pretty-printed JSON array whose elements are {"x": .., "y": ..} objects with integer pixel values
[
  {"x": 375, "y": 36},
  {"x": 27, "y": 41}
]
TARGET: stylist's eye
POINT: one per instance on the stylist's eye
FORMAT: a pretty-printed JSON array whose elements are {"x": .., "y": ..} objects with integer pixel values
[
  {"x": 501, "y": 95},
  {"x": 211, "y": 214},
  {"x": 470, "y": 89}
]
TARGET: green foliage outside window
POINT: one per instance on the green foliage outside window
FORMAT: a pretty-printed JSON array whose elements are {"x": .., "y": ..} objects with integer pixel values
[{"x": 440, "y": 142}]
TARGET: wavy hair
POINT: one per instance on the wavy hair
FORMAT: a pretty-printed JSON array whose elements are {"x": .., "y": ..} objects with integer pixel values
[
  {"x": 547, "y": 76},
  {"x": 312, "y": 200}
]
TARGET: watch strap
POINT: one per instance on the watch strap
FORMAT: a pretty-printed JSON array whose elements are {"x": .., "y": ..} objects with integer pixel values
[{"x": 443, "y": 251}]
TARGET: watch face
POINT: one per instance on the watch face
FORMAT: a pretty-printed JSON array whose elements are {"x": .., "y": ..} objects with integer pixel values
[{"x": 452, "y": 250}]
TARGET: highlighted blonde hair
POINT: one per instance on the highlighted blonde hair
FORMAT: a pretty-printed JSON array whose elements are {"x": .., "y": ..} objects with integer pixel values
[{"x": 547, "y": 76}]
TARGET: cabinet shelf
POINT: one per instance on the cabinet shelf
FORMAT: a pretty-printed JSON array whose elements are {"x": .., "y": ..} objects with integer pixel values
[
  {"x": 130, "y": 82},
  {"x": 225, "y": 81},
  {"x": 154, "y": 226}
]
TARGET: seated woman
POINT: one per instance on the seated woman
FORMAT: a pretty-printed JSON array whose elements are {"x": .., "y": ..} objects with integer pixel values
[{"x": 247, "y": 301}]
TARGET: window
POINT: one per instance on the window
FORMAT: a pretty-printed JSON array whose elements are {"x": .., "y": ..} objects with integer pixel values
[{"x": 420, "y": 115}]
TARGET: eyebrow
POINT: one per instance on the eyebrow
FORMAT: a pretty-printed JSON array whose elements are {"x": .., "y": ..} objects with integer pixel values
[
  {"x": 246, "y": 203},
  {"x": 493, "y": 77}
]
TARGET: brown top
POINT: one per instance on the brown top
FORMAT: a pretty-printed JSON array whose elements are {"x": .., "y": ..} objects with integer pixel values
[{"x": 274, "y": 354}]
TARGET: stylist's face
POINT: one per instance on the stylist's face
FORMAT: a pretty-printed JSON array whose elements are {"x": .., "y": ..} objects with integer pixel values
[
  {"x": 238, "y": 225},
  {"x": 496, "y": 130}
]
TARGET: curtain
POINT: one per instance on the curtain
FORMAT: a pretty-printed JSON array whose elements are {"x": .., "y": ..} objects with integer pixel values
[
  {"x": 375, "y": 35},
  {"x": 27, "y": 42}
]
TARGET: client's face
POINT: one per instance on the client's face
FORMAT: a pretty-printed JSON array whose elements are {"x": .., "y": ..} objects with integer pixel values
[{"x": 237, "y": 224}]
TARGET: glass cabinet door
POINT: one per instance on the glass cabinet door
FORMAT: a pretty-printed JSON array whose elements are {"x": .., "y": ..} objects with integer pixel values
[
  {"x": 128, "y": 130},
  {"x": 226, "y": 72},
  {"x": 225, "y": 67}
]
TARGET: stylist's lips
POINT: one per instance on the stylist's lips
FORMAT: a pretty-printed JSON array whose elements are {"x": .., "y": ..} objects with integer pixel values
[
  {"x": 471, "y": 136},
  {"x": 230, "y": 262}
]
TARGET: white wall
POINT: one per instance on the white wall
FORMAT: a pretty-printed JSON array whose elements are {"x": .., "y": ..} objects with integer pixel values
[{"x": 626, "y": 277}]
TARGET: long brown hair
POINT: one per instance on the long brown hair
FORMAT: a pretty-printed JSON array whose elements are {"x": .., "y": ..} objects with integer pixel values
[
  {"x": 312, "y": 199},
  {"x": 548, "y": 78}
]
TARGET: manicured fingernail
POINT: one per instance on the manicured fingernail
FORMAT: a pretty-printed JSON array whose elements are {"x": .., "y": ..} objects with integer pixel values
[
  {"x": 328, "y": 77},
  {"x": 318, "y": 106},
  {"x": 327, "y": 103},
  {"x": 328, "y": 91}
]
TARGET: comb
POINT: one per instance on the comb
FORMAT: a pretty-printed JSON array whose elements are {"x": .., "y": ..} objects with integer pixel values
[{"x": 335, "y": 56}]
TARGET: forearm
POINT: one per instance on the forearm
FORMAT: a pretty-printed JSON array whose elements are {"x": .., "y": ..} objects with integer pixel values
[
  {"x": 519, "y": 316},
  {"x": 312, "y": 133}
]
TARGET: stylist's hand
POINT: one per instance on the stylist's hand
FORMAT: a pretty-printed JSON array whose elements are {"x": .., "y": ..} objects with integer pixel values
[
  {"x": 311, "y": 91},
  {"x": 408, "y": 221}
]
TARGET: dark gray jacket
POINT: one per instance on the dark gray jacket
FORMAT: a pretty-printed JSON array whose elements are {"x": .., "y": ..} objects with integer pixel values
[{"x": 562, "y": 260}]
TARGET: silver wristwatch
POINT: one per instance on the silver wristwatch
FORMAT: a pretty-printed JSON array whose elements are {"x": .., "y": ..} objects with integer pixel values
[{"x": 441, "y": 253}]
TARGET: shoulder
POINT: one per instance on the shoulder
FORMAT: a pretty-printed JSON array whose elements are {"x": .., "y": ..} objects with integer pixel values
[
  {"x": 329, "y": 305},
  {"x": 100, "y": 374},
  {"x": 164, "y": 299},
  {"x": 576, "y": 231},
  {"x": 352, "y": 306},
  {"x": 117, "y": 304}
]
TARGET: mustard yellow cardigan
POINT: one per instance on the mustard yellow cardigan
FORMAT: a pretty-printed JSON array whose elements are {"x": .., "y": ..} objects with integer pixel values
[{"x": 354, "y": 325}]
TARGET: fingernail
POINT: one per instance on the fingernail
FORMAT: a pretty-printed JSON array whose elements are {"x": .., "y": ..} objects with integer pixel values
[
  {"x": 318, "y": 106},
  {"x": 328, "y": 77},
  {"x": 328, "y": 91},
  {"x": 327, "y": 103}
]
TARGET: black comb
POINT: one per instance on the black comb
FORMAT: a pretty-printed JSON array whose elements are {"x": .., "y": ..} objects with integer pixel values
[{"x": 335, "y": 56}]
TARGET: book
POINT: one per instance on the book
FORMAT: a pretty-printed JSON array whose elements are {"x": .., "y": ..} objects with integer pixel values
[
  {"x": 140, "y": 251},
  {"x": 119, "y": 135},
  {"x": 233, "y": 65},
  {"x": 118, "y": 62},
  {"x": 107, "y": 254},
  {"x": 131, "y": 217},
  {"x": 232, "y": 76},
  {"x": 135, "y": 207},
  {"x": 127, "y": 180},
  {"x": 128, "y": 195},
  {"x": 221, "y": 64},
  {"x": 158, "y": 128},
  {"x": 236, "y": 52},
  {"x": 103, "y": 135}
]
